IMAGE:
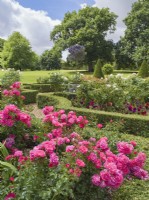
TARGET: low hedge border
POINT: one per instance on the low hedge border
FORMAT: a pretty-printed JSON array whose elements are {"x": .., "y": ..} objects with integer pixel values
[
  {"x": 30, "y": 96},
  {"x": 48, "y": 87},
  {"x": 44, "y": 99},
  {"x": 68, "y": 95},
  {"x": 133, "y": 124}
]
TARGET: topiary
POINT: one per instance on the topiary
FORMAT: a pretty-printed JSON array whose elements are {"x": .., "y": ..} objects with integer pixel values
[
  {"x": 107, "y": 69},
  {"x": 98, "y": 70},
  {"x": 144, "y": 69}
]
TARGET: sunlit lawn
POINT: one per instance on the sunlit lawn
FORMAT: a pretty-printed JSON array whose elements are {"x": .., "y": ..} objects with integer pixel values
[{"x": 31, "y": 76}]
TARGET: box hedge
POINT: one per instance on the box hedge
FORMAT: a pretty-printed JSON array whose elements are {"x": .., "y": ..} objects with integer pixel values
[
  {"x": 133, "y": 124},
  {"x": 49, "y": 87},
  {"x": 44, "y": 99},
  {"x": 30, "y": 96}
]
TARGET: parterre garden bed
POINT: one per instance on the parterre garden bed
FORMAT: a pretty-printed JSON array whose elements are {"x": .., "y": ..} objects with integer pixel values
[{"x": 66, "y": 156}]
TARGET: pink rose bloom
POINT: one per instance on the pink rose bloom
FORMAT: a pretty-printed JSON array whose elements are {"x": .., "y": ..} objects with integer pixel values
[
  {"x": 18, "y": 154},
  {"x": 16, "y": 85},
  {"x": 98, "y": 164},
  {"x": 61, "y": 112},
  {"x": 96, "y": 179},
  {"x": 102, "y": 144},
  {"x": 54, "y": 160},
  {"x": 35, "y": 137},
  {"x": 16, "y": 92},
  {"x": 83, "y": 149},
  {"x": 37, "y": 154},
  {"x": 92, "y": 157},
  {"x": 100, "y": 126},
  {"x": 133, "y": 143},
  {"x": 47, "y": 109},
  {"x": 70, "y": 148},
  {"x": 140, "y": 173},
  {"x": 80, "y": 163},
  {"x": 6, "y": 93},
  {"x": 125, "y": 147},
  {"x": 11, "y": 195}
]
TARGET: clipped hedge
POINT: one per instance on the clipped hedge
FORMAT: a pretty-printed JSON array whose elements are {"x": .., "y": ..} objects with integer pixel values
[
  {"x": 133, "y": 124},
  {"x": 48, "y": 87},
  {"x": 68, "y": 95},
  {"x": 52, "y": 100},
  {"x": 30, "y": 96}
]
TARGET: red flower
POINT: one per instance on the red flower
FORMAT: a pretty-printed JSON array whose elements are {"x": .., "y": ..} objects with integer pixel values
[{"x": 11, "y": 195}]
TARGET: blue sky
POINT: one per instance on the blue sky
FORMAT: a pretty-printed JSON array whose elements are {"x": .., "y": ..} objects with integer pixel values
[
  {"x": 55, "y": 8},
  {"x": 35, "y": 19}
]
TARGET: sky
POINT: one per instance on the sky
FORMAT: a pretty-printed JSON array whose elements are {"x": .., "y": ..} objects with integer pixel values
[{"x": 35, "y": 19}]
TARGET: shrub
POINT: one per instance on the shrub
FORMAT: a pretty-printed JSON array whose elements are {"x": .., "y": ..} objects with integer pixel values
[
  {"x": 54, "y": 78},
  {"x": 30, "y": 96},
  {"x": 10, "y": 77},
  {"x": 107, "y": 69},
  {"x": 52, "y": 100},
  {"x": 49, "y": 87},
  {"x": 98, "y": 70},
  {"x": 144, "y": 70},
  {"x": 46, "y": 99}
]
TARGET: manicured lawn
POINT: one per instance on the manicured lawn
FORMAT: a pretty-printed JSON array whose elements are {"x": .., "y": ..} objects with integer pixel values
[{"x": 31, "y": 76}]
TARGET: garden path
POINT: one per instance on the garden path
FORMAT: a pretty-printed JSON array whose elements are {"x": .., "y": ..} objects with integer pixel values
[{"x": 33, "y": 108}]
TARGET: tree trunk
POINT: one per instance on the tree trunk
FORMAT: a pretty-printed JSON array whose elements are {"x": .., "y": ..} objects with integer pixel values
[{"x": 90, "y": 67}]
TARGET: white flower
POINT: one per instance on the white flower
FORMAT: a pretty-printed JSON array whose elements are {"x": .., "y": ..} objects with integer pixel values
[{"x": 108, "y": 85}]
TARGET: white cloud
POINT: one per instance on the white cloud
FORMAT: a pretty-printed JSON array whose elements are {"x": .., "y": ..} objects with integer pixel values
[
  {"x": 119, "y": 7},
  {"x": 83, "y": 5},
  {"x": 34, "y": 25}
]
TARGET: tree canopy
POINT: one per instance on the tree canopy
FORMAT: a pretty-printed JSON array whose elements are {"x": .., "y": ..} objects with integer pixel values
[
  {"x": 87, "y": 27},
  {"x": 50, "y": 59},
  {"x": 2, "y": 41},
  {"x": 136, "y": 38},
  {"x": 17, "y": 53}
]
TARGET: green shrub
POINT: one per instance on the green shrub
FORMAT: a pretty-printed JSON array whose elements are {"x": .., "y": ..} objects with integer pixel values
[
  {"x": 30, "y": 96},
  {"x": 51, "y": 100},
  {"x": 49, "y": 87},
  {"x": 54, "y": 78},
  {"x": 67, "y": 95},
  {"x": 10, "y": 77},
  {"x": 45, "y": 100},
  {"x": 98, "y": 70},
  {"x": 144, "y": 70},
  {"x": 107, "y": 69}
]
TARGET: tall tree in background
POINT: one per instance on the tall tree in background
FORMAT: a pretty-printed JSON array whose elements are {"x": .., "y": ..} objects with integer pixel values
[
  {"x": 50, "y": 59},
  {"x": 17, "y": 53},
  {"x": 136, "y": 38},
  {"x": 87, "y": 27},
  {"x": 2, "y": 41},
  {"x": 122, "y": 60}
]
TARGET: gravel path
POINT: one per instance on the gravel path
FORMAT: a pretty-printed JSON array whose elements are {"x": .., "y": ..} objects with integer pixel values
[{"x": 32, "y": 108}]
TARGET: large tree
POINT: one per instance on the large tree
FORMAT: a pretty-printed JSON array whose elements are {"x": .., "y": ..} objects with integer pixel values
[
  {"x": 136, "y": 38},
  {"x": 122, "y": 60},
  {"x": 2, "y": 41},
  {"x": 50, "y": 59},
  {"x": 17, "y": 53},
  {"x": 87, "y": 27}
]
